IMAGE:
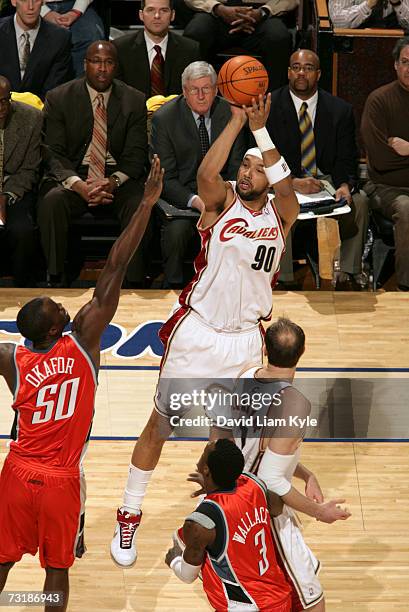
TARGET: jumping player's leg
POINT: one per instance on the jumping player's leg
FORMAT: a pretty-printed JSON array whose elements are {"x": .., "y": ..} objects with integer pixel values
[
  {"x": 56, "y": 580},
  {"x": 145, "y": 457},
  {"x": 148, "y": 448},
  {"x": 319, "y": 607},
  {"x": 4, "y": 572}
]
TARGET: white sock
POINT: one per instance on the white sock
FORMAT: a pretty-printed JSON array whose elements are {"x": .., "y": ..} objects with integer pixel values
[{"x": 135, "y": 489}]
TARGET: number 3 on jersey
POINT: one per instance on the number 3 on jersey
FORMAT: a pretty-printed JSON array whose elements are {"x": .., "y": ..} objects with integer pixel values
[
  {"x": 263, "y": 564},
  {"x": 64, "y": 408},
  {"x": 264, "y": 258}
]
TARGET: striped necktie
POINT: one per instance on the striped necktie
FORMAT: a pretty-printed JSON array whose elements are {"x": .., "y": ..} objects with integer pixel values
[
  {"x": 203, "y": 135},
  {"x": 25, "y": 56},
  {"x": 1, "y": 160},
  {"x": 98, "y": 152},
  {"x": 308, "y": 155},
  {"x": 157, "y": 85}
]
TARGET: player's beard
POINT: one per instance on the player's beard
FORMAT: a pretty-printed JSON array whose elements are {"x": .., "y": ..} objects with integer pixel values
[{"x": 249, "y": 196}]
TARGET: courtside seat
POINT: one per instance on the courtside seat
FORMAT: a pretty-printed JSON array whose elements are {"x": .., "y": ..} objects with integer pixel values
[{"x": 383, "y": 244}]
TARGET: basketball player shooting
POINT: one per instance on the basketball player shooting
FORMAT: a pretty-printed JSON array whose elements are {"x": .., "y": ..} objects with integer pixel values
[
  {"x": 54, "y": 384},
  {"x": 216, "y": 328}
]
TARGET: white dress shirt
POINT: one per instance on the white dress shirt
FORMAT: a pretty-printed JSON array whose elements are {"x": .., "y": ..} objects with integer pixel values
[
  {"x": 208, "y": 124},
  {"x": 20, "y": 39},
  {"x": 352, "y": 13},
  {"x": 110, "y": 161},
  {"x": 150, "y": 44},
  {"x": 311, "y": 110},
  {"x": 312, "y": 105}
]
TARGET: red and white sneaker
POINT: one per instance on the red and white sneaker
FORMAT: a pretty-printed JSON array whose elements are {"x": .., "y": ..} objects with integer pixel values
[{"x": 123, "y": 544}]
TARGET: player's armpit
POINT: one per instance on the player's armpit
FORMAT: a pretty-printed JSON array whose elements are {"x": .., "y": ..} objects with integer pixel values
[
  {"x": 274, "y": 503},
  {"x": 286, "y": 203},
  {"x": 196, "y": 538}
]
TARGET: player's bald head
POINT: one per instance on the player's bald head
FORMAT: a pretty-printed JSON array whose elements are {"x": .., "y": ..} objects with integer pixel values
[
  {"x": 285, "y": 343},
  {"x": 34, "y": 319}
]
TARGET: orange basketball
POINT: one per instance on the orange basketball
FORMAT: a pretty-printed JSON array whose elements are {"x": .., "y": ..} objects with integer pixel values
[{"x": 242, "y": 78}]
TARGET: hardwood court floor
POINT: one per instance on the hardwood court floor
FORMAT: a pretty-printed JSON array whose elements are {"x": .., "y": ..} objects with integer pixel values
[{"x": 365, "y": 560}]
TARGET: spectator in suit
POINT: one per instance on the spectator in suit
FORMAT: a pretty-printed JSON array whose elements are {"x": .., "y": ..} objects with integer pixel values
[
  {"x": 369, "y": 13},
  {"x": 153, "y": 59},
  {"x": 315, "y": 133},
  {"x": 182, "y": 131},
  {"x": 20, "y": 133},
  {"x": 259, "y": 29},
  {"x": 35, "y": 55},
  {"x": 385, "y": 132},
  {"x": 95, "y": 154},
  {"x": 82, "y": 20}
]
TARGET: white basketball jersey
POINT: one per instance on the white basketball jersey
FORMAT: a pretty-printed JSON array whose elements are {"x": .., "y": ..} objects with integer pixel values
[
  {"x": 237, "y": 266},
  {"x": 252, "y": 443}
]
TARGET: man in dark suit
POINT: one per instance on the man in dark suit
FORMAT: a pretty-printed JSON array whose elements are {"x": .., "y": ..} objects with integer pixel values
[
  {"x": 35, "y": 55},
  {"x": 153, "y": 59},
  {"x": 20, "y": 134},
  {"x": 315, "y": 133},
  {"x": 178, "y": 141},
  {"x": 95, "y": 154}
]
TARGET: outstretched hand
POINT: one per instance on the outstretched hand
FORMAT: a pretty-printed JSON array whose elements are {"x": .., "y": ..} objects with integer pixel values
[
  {"x": 258, "y": 112},
  {"x": 154, "y": 182},
  {"x": 332, "y": 511}
]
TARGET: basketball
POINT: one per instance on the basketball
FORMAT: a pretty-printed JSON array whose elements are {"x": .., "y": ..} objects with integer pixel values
[{"x": 242, "y": 78}]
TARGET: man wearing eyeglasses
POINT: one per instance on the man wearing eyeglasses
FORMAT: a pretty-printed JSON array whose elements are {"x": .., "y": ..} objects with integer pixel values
[
  {"x": 182, "y": 132},
  {"x": 385, "y": 132},
  {"x": 20, "y": 134},
  {"x": 153, "y": 59},
  {"x": 95, "y": 154},
  {"x": 315, "y": 132}
]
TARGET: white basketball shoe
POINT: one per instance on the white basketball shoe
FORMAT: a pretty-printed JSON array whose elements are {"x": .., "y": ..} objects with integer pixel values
[{"x": 123, "y": 544}]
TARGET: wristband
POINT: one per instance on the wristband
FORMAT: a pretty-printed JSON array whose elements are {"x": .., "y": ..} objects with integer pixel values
[
  {"x": 263, "y": 140},
  {"x": 77, "y": 12},
  {"x": 184, "y": 571},
  {"x": 277, "y": 172}
]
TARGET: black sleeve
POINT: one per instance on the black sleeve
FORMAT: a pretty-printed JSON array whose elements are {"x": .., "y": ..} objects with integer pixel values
[{"x": 213, "y": 512}]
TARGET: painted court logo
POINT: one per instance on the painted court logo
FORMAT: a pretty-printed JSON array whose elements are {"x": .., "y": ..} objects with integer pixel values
[
  {"x": 239, "y": 227},
  {"x": 141, "y": 341}
]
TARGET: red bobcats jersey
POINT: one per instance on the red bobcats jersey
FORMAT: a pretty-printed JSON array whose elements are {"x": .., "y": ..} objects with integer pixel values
[
  {"x": 242, "y": 565},
  {"x": 54, "y": 401}
]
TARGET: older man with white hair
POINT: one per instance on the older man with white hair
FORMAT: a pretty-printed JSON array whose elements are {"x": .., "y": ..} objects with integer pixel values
[{"x": 182, "y": 132}]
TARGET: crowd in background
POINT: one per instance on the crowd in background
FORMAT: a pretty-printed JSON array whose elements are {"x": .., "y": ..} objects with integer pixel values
[{"x": 87, "y": 149}]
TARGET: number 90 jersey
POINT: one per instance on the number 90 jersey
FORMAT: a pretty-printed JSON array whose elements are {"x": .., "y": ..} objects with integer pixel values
[
  {"x": 54, "y": 401},
  {"x": 237, "y": 267}
]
